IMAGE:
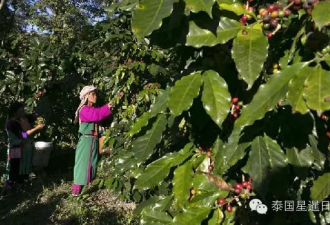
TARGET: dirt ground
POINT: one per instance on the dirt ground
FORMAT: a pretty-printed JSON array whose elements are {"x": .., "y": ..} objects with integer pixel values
[{"x": 46, "y": 198}]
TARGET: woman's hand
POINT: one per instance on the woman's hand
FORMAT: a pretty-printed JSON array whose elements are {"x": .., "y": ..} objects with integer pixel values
[
  {"x": 35, "y": 129},
  {"x": 40, "y": 126}
]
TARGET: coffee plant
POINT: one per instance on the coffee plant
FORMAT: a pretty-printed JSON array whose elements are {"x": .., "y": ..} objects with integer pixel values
[
  {"x": 244, "y": 117},
  {"x": 218, "y": 104}
]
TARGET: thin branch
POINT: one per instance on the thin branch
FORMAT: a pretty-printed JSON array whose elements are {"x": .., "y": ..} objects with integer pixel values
[{"x": 2, "y": 3}]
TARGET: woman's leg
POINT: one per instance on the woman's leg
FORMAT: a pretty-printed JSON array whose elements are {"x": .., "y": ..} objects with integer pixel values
[
  {"x": 14, "y": 169},
  {"x": 25, "y": 167},
  {"x": 81, "y": 166},
  {"x": 92, "y": 164},
  {"x": 10, "y": 175},
  {"x": 13, "y": 174},
  {"x": 94, "y": 161}
]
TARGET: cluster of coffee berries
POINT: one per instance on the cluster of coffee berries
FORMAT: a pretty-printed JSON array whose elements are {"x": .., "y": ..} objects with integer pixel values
[
  {"x": 272, "y": 16},
  {"x": 243, "y": 189},
  {"x": 223, "y": 202},
  {"x": 308, "y": 5},
  {"x": 193, "y": 193},
  {"x": 279, "y": 103},
  {"x": 324, "y": 117},
  {"x": 209, "y": 155},
  {"x": 39, "y": 120},
  {"x": 39, "y": 94},
  {"x": 13, "y": 58},
  {"x": 276, "y": 13},
  {"x": 130, "y": 61},
  {"x": 109, "y": 66},
  {"x": 211, "y": 167},
  {"x": 274, "y": 69},
  {"x": 235, "y": 107},
  {"x": 246, "y": 17},
  {"x": 207, "y": 150}
]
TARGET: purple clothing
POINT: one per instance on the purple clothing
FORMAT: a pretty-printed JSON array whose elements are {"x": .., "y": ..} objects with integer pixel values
[
  {"x": 76, "y": 189},
  {"x": 91, "y": 115},
  {"x": 24, "y": 134},
  {"x": 15, "y": 127}
]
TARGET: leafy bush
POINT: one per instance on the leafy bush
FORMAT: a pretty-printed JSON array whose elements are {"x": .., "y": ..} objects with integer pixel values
[
  {"x": 251, "y": 100},
  {"x": 207, "y": 95}
]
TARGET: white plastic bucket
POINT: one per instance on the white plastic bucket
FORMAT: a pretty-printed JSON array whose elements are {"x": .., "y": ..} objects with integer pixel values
[{"x": 41, "y": 153}]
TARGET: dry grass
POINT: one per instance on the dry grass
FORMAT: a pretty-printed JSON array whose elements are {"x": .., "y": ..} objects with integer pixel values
[{"x": 47, "y": 200}]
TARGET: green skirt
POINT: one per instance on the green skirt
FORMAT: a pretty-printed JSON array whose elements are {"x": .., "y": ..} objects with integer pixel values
[
  {"x": 86, "y": 160},
  {"x": 26, "y": 159}
]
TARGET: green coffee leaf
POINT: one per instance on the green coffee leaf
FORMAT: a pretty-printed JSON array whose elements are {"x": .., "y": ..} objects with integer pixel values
[
  {"x": 184, "y": 92},
  {"x": 258, "y": 165},
  {"x": 192, "y": 216},
  {"x": 216, "y": 98},
  {"x": 143, "y": 146},
  {"x": 182, "y": 183},
  {"x": 321, "y": 13},
  {"x": 140, "y": 123},
  {"x": 154, "y": 174},
  {"x": 227, "y": 30},
  {"x": 202, "y": 183},
  {"x": 217, "y": 217},
  {"x": 233, "y": 6},
  {"x": 326, "y": 59},
  {"x": 268, "y": 95},
  {"x": 229, "y": 153},
  {"x": 249, "y": 53},
  {"x": 283, "y": 62},
  {"x": 160, "y": 104},
  {"x": 125, "y": 162},
  {"x": 321, "y": 187},
  {"x": 296, "y": 90},
  {"x": 148, "y": 16},
  {"x": 302, "y": 158},
  {"x": 200, "y": 5},
  {"x": 318, "y": 155},
  {"x": 317, "y": 89},
  {"x": 180, "y": 156},
  {"x": 198, "y": 37},
  {"x": 207, "y": 198},
  {"x": 230, "y": 217},
  {"x": 276, "y": 157},
  {"x": 266, "y": 158},
  {"x": 154, "y": 69},
  {"x": 156, "y": 202},
  {"x": 151, "y": 216}
]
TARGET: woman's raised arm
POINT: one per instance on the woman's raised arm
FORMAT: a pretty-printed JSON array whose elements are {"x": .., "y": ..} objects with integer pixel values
[{"x": 91, "y": 114}]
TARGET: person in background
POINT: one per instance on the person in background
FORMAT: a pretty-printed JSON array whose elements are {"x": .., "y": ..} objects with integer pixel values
[
  {"x": 19, "y": 150},
  {"x": 27, "y": 122},
  {"x": 86, "y": 157}
]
